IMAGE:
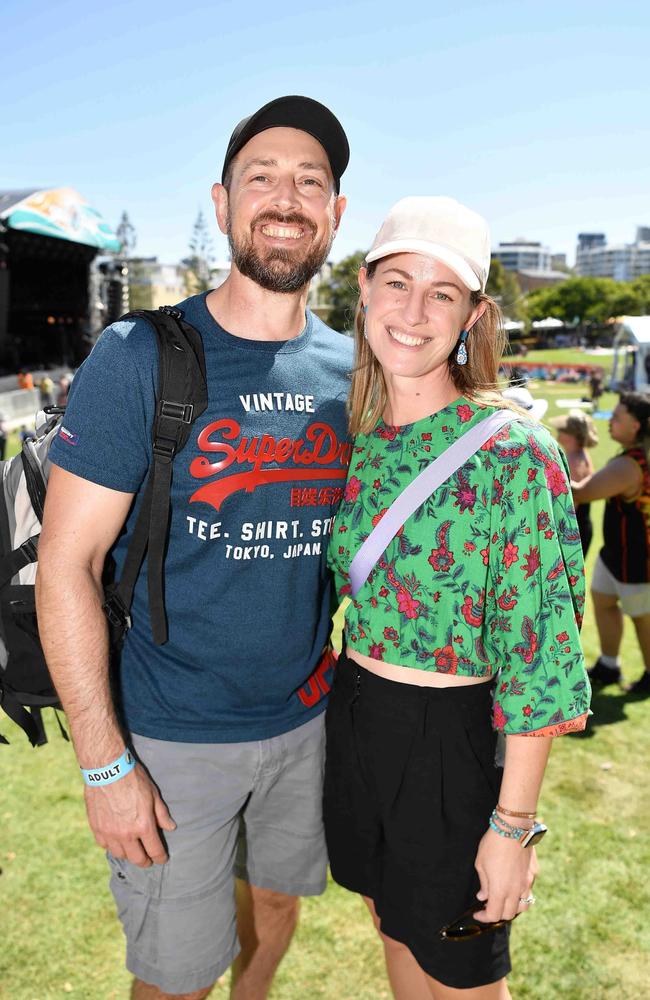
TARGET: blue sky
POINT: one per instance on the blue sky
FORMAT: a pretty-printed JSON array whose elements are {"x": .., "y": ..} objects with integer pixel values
[{"x": 535, "y": 114}]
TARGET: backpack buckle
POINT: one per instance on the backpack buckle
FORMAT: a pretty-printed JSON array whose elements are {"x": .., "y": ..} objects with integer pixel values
[
  {"x": 116, "y": 613},
  {"x": 177, "y": 411},
  {"x": 165, "y": 449},
  {"x": 30, "y": 548},
  {"x": 170, "y": 311}
]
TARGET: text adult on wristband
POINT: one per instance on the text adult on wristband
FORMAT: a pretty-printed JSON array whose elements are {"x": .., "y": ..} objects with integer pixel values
[{"x": 111, "y": 772}]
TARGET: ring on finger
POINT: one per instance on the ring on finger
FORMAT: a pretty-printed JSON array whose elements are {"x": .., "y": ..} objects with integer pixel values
[{"x": 527, "y": 900}]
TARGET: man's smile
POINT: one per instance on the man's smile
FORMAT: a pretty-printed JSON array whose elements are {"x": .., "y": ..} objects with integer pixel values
[{"x": 282, "y": 232}]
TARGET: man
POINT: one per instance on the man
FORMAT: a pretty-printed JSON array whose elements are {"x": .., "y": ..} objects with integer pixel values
[{"x": 225, "y": 719}]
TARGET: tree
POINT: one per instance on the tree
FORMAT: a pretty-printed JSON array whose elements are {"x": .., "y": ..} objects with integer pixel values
[
  {"x": 626, "y": 301},
  {"x": 496, "y": 279},
  {"x": 126, "y": 234},
  {"x": 198, "y": 265},
  {"x": 139, "y": 292},
  {"x": 341, "y": 291},
  {"x": 504, "y": 288},
  {"x": 581, "y": 300},
  {"x": 590, "y": 302},
  {"x": 641, "y": 288}
]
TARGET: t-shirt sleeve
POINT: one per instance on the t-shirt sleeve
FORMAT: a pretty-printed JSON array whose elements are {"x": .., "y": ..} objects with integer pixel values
[
  {"x": 105, "y": 435},
  {"x": 537, "y": 593}
]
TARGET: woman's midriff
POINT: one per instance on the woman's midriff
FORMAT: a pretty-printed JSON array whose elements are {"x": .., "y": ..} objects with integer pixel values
[{"x": 409, "y": 675}]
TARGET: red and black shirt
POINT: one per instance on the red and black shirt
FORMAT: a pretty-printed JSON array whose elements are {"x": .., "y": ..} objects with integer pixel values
[{"x": 626, "y": 529}]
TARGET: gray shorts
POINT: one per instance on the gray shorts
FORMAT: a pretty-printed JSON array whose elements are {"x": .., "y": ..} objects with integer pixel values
[
  {"x": 246, "y": 810},
  {"x": 634, "y": 598}
]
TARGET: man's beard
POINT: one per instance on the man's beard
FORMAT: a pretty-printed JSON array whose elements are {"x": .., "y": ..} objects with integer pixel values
[{"x": 280, "y": 270}]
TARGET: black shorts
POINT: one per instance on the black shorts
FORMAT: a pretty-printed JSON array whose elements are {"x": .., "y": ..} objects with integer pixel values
[{"x": 410, "y": 782}]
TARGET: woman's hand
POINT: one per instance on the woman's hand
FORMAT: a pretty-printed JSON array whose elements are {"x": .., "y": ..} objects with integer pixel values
[{"x": 507, "y": 872}]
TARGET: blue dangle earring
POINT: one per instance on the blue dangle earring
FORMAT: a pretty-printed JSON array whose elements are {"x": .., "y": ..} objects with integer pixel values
[{"x": 461, "y": 353}]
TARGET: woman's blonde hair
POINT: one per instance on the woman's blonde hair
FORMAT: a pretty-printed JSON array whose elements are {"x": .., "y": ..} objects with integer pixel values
[{"x": 477, "y": 380}]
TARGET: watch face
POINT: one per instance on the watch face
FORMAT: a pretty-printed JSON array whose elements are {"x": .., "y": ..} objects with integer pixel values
[{"x": 534, "y": 835}]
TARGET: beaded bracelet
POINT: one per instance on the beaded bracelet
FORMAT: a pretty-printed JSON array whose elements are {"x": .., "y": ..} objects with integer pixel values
[
  {"x": 504, "y": 822},
  {"x": 513, "y": 832}
]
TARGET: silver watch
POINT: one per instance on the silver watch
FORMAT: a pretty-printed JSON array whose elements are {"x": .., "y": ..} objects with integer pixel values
[{"x": 534, "y": 835}]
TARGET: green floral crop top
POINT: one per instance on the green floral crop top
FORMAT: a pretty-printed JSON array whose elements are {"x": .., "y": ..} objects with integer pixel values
[{"x": 486, "y": 576}]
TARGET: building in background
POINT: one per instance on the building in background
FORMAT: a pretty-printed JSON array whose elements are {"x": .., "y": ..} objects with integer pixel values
[
  {"x": 595, "y": 258},
  {"x": 152, "y": 284},
  {"x": 315, "y": 299},
  {"x": 532, "y": 263},
  {"x": 523, "y": 255}
]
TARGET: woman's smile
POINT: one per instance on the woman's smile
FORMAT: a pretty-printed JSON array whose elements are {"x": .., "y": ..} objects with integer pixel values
[{"x": 406, "y": 339}]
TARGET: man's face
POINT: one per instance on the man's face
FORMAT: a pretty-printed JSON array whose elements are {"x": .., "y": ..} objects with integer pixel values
[{"x": 281, "y": 212}]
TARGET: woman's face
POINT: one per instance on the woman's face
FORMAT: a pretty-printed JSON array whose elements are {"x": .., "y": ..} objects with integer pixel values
[
  {"x": 623, "y": 427},
  {"x": 416, "y": 308}
]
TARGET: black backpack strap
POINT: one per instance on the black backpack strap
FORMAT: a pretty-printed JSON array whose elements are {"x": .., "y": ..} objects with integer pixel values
[
  {"x": 15, "y": 561},
  {"x": 34, "y": 480},
  {"x": 182, "y": 397},
  {"x": 30, "y": 722}
]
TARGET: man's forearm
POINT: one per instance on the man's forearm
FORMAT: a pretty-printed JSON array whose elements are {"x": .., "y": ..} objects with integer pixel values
[{"x": 74, "y": 635}]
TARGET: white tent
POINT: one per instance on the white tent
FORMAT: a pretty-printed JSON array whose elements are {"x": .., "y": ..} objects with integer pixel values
[
  {"x": 631, "y": 368},
  {"x": 550, "y": 323}
]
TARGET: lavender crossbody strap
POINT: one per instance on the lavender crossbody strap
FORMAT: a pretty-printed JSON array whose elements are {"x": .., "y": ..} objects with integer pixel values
[{"x": 418, "y": 490}]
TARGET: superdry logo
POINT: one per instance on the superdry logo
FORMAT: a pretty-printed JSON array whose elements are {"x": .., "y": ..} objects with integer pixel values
[
  {"x": 320, "y": 448},
  {"x": 68, "y": 436}
]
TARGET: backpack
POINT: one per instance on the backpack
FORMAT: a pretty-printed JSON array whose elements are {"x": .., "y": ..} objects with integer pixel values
[{"x": 25, "y": 683}]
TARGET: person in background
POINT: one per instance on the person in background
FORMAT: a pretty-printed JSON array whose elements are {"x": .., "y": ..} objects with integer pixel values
[
  {"x": 576, "y": 432},
  {"x": 25, "y": 379},
  {"x": 420, "y": 818},
  {"x": 596, "y": 387},
  {"x": 620, "y": 584},
  {"x": 46, "y": 390}
]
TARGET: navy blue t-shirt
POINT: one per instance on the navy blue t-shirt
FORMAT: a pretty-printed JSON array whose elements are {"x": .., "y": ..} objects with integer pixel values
[{"x": 253, "y": 496}]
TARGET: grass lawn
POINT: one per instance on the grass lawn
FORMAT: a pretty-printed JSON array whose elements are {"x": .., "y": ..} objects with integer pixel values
[{"x": 588, "y": 938}]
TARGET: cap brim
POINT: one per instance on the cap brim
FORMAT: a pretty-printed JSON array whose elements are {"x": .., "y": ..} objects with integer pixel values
[{"x": 449, "y": 257}]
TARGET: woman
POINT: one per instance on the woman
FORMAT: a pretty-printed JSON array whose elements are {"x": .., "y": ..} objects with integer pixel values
[
  {"x": 621, "y": 579},
  {"x": 575, "y": 433},
  {"x": 479, "y": 579}
]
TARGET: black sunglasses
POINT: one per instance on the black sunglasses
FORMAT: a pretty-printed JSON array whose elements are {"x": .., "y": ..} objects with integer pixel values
[{"x": 467, "y": 926}]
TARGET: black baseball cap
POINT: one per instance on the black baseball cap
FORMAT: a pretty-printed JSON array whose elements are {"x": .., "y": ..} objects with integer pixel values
[{"x": 295, "y": 112}]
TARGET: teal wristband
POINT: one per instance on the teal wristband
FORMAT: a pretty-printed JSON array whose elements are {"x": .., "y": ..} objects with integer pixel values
[
  {"x": 512, "y": 832},
  {"x": 112, "y": 772}
]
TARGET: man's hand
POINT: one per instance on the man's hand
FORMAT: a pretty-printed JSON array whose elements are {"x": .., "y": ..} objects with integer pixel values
[
  {"x": 126, "y": 817},
  {"x": 507, "y": 872}
]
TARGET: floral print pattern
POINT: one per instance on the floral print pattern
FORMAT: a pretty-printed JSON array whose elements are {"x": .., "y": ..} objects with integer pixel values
[{"x": 485, "y": 577}]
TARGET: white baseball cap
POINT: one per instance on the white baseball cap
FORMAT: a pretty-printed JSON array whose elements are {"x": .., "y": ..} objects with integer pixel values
[
  {"x": 523, "y": 398},
  {"x": 441, "y": 228}
]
